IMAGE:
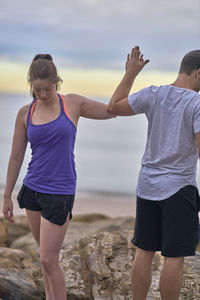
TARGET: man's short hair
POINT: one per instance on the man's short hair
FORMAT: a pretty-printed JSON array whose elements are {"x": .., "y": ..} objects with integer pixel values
[{"x": 190, "y": 62}]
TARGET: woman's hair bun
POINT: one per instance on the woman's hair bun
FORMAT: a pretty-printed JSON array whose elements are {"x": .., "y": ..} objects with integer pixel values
[{"x": 43, "y": 56}]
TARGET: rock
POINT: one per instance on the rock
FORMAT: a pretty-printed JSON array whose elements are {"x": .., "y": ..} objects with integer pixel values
[
  {"x": 4, "y": 238},
  {"x": 78, "y": 230},
  {"x": 98, "y": 267},
  {"x": 17, "y": 273},
  {"x": 28, "y": 244},
  {"x": 19, "y": 228},
  {"x": 191, "y": 278},
  {"x": 88, "y": 218},
  {"x": 9, "y": 232},
  {"x": 96, "y": 258}
]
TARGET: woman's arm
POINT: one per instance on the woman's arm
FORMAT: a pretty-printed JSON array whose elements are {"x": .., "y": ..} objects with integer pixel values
[
  {"x": 119, "y": 102},
  {"x": 15, "y": 162},
  {"x": 79, "y": 106},
  {"x": 94, "y": 109}
]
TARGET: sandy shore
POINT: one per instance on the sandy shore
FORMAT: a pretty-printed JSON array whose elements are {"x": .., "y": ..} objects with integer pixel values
[{"x": 91, "y": 202}]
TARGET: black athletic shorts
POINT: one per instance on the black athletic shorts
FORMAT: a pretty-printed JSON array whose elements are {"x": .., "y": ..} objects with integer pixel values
[
  {"x": 54, "y": 207},
  {"x": 170, "y": 225}
]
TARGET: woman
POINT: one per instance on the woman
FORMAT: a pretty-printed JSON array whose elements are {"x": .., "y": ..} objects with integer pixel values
[{"x": 49, "y": 124}]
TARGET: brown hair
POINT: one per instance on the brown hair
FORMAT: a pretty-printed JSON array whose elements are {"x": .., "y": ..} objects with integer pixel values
[
  {"x": 190, "y": 62},
  {"x": 43, "y": 67}
]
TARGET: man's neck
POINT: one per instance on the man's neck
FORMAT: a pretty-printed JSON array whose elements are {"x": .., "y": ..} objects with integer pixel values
[{"x": 184, "y": 81}]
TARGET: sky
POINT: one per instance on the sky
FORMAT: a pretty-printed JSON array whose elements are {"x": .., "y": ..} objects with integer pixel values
[{"x": 89, "y": 40}]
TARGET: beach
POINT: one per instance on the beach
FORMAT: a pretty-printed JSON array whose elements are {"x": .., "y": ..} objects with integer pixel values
[{"x": 112, "y": 205}]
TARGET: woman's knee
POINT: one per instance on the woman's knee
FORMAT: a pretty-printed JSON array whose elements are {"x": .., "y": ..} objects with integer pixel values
[{"x": 49, "y": 262}]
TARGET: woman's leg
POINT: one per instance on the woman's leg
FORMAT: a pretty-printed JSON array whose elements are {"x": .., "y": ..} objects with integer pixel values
[
  {"x": 51, "y": 240},
  {"x": 34, "y": 219}
]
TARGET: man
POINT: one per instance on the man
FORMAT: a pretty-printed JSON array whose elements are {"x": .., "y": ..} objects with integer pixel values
[{"x": 167, "y": 197}]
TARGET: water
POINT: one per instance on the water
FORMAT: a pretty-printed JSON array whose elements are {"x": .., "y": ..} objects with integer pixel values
[{"x": 107, "y": 152}]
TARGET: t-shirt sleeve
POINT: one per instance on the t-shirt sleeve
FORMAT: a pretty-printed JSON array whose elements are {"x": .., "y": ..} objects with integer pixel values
[
  {"x": 139, "y": 101},
  {"x": 196, "y": 119}
]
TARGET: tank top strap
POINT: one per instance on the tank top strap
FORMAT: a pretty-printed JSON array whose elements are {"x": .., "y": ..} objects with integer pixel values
[
  {"x": 31, "y": 110},
  {"x": 63, "y": 105}
]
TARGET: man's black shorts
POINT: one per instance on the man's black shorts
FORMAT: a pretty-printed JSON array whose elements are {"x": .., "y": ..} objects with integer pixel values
[
  {"x": 54, "y": 207},
  {"x": 170, "y": 225}
]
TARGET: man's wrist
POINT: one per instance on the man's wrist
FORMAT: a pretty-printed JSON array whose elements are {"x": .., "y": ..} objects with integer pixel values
[{"x": 131, "y": 74}]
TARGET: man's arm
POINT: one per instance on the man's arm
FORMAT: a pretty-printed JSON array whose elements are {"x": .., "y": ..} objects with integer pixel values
[
  {"x": 118, "y": 104},
  {"x": 197, "y": 136}
]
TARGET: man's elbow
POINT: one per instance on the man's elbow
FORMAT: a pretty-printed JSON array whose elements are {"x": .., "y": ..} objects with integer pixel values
[{"x": 111, "y": 109}]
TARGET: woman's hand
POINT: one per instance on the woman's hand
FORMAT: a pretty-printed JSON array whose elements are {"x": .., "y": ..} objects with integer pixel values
[{"x": 8, "y": 209}]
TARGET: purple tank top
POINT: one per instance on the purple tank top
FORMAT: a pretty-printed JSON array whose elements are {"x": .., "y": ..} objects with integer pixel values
[{"x": 52, "y": 167}]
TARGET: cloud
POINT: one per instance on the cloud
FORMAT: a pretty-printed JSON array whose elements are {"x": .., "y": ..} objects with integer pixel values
[{"x": 98, "y": 33}]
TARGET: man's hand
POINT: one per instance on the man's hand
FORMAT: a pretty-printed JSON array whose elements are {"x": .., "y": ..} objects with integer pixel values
[
  {"x": 8, "y": 210},
  {"x": 135, "y": 62},
  {"x": 118, "y": 104}
]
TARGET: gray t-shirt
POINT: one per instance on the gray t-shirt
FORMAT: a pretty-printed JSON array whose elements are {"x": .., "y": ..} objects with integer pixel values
[{"x": 170, "y": 158}]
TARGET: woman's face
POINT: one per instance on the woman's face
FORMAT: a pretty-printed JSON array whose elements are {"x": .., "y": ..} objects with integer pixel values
[{"x": 44, "y": 89}]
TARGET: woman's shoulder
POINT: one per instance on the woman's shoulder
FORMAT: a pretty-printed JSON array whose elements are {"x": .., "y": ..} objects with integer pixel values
[
  {"x": 71, "y": 97},
  {"x": 24, "y": 109},
  {"x": 23, "y": 113},
  {"x": 73, "y": 104},
  {"x": 74, "y": 99}
]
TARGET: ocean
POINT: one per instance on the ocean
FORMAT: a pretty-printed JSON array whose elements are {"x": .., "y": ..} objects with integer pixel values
[{"x": 107, "y": 152}]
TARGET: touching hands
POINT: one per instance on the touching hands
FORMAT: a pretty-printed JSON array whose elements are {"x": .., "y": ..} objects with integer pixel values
[{"x": 135, "y": 61}]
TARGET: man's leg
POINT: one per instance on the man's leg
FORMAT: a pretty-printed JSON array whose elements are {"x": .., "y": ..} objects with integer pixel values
[
  {"x": 147, "y": 235},
  {"x": 171, "y": 278},
  {"x": 141, "y": 273},
  {"x": 179, "y": 238}
]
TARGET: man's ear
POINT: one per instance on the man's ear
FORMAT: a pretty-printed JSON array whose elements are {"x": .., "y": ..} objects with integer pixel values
[{"x": 197, "y": 73}]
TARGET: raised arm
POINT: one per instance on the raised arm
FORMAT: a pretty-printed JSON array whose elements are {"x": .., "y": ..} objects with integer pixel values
[
  {"x": 16, "y": 158},
  {"x": 118, "y": 104}
]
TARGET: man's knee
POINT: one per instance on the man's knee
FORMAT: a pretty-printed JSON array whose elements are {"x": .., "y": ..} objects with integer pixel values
[
  {"x": 144, "y": 254},
  {"x": 175, "y": 261}
]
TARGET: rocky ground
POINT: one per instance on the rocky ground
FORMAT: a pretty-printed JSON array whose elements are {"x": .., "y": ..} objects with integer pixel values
[{"x": 96, "y": 257}]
